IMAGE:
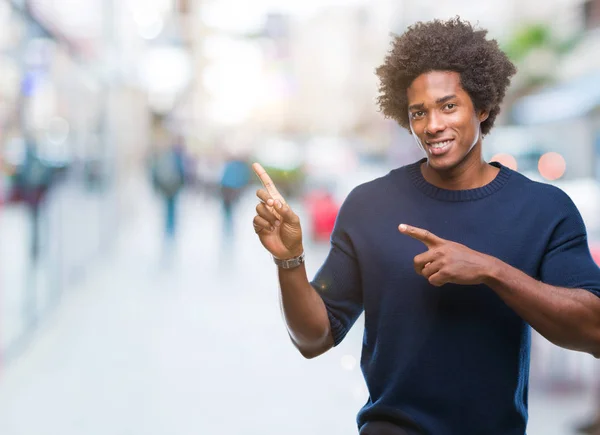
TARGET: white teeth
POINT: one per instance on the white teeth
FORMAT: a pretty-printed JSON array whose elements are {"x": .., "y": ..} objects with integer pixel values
[{"x": 440, "y": 144}]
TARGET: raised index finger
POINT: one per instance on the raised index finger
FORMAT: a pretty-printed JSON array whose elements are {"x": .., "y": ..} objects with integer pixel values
[
  {"x": 420, "y": 234},
  {"x": 267, "y": 182}
]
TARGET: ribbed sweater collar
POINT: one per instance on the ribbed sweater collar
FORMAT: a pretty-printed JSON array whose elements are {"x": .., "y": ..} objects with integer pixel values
[{"x": 414, "y": 173}]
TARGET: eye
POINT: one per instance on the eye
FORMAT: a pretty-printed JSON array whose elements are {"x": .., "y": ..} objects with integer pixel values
[
  {"x": 418, "y": 114},
  {"x": 450, "y": 106}
]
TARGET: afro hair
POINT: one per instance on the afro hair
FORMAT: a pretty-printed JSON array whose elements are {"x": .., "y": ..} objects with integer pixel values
[{"x": 452, "y": 45}]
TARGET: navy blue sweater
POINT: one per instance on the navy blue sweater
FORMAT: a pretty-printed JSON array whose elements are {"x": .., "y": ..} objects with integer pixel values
[{"x": 453, "y": 359}]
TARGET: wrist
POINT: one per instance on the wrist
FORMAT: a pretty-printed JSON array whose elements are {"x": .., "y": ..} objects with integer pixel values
[
  {"x": 492, "y": 271},
  {"x": 296, "y": 252},
  {"x": 290, "y": 263}
]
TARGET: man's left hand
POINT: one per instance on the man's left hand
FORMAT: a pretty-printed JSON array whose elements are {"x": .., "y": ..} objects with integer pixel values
[{"x": 448, "y": 262}]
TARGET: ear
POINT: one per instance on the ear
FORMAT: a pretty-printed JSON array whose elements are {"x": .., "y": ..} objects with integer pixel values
[{"x": 483, "y": 115}]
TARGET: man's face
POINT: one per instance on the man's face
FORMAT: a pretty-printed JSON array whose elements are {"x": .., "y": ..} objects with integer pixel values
[{"x": 443, "y": 119}]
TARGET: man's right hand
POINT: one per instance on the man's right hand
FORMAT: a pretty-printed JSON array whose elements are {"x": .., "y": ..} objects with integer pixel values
[{"x": 277, "y": 226}]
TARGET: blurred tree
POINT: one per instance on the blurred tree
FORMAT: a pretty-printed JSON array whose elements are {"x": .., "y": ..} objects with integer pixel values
[
  {"x": 527, "y": 38},
  {"x": 537, "y": 49}
]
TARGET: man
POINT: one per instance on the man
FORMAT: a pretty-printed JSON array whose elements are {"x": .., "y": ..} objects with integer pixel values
[{"x": 451, "y": 258}]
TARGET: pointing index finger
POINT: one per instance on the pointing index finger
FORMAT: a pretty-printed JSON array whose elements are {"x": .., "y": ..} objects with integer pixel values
[
  {"x": 267, "y": 182},
  {"x": 428, "y": 238}
]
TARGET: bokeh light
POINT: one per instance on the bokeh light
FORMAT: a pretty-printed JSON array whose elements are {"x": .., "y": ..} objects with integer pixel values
[
  {"x": 360, "y": 392},
  {"x": 552, "y": 166},
  {"x": 506, "y": 160},
  {"x": 348, "y": 362}
]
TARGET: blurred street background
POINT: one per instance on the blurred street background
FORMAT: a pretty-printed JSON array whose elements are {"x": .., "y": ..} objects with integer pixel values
[{"x": 135, "y": 297}]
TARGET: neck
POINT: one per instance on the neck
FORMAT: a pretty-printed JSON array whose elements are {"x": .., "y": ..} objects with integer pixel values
[{"x": 471, "y": 173}]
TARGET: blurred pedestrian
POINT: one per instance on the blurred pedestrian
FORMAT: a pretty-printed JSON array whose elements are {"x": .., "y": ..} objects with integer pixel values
[
  {"x": 234, "y": 179},
  {"x": 32, "y": 181},
  {"x": 591, "y": 427},
  {"x": 451, "y": 258},
  {"x": 168, "y": 178}
]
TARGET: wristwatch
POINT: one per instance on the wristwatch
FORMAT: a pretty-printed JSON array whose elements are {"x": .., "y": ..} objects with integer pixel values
[{"x": 290, "y": 263}]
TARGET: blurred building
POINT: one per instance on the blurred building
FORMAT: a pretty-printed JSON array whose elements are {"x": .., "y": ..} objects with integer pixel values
[
  {"x": 70, "y": 93},
  {"x": 562, "y": 114}
]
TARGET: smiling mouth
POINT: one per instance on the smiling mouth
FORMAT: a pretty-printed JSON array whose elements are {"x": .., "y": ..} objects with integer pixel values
[{"x": 439, "y": 148}]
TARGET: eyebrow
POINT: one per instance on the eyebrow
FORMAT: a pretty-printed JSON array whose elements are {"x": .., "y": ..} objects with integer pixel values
[{"x": 438, "y": 101}]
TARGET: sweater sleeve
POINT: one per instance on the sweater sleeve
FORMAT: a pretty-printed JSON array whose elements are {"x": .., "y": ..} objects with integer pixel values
[
  {"x": 338, "y": 281},
  {"x": 567, "y": 261}
]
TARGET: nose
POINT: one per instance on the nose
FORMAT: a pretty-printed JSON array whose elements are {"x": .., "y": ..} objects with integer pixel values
[{"x": 435, "y": 124}]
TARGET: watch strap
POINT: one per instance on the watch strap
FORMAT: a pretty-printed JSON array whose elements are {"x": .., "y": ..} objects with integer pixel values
[{"x": 290, "y": 263}]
